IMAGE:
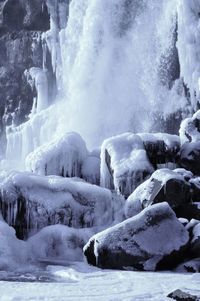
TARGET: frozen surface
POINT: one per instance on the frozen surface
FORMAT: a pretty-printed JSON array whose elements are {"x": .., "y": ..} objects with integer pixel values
[
  {"x": 82, "y": 282},
  {"x": 62, "y": 156},
  {"x": 44, "y": 200}
]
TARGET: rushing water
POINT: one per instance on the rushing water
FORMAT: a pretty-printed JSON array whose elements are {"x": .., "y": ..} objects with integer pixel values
[{"x": 116, "y": 67}]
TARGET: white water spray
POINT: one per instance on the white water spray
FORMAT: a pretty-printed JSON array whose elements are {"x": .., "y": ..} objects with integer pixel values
[{"x": 107, "y": 62}]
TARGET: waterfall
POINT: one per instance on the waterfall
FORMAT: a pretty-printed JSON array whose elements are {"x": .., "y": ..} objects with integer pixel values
[{"x": 111, "y": 60}]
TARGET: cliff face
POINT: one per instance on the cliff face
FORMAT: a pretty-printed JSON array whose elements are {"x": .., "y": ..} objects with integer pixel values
[{"x": 22, "y": 23}]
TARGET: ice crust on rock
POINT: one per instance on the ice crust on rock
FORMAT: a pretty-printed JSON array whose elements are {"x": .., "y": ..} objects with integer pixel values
[
  {"x": 155, "y": 190},
  {"x": 13, "y": 252},
  {"x": 140, "y": 242},
  {"x": 29, "y": 202},
  {"x": 124, "y": 163},
  {"x": 58, "y": 242},
  {"x": 63, "y": 157}
]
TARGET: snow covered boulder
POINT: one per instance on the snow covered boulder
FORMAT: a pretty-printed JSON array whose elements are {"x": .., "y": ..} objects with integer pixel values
[
  {"x": 163, "y": 186},
  {"x": 142, "y": 242},
  {"x": 191, "y": 266},
  {"x": 29, "y": 202},
  {"x": 190, "y": 157},
  {"x": 190, "y": 129},
  {"x": 13, "y": 252},
  {"x": 63, "y": 157},
  {"x": 58, "y": 243},
  {"x": 195, "y": 243},
  {"x": 124, "y": 163}
]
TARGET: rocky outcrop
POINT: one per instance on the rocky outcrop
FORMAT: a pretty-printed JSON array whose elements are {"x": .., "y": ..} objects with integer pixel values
[
  {"x": 29, "y": 202},
  {"x": 163, "y": 186},
  {"x": 22, "y": 23},
  {"x": 152, "y": 240}
]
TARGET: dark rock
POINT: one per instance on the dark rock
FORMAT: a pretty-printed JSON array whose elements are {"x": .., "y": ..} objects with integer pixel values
[
  {"x": 191, "y": 266},
  {"x": 189, "y": 211},
  {"x": 142, "y": 242},
  {"x": 179, "y": 295},
  {"x": 195, "y": 242},
  {"x": 190, "y": 157},
  {"x": 163, "y": 186}
]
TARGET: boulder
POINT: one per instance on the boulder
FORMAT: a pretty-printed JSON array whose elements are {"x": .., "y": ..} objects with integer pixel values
[
  {"x": 179, "y": 295},
  {"x": 190, "y": 157},
  {"x": 124, "y": 163},
  {"x": 191, "y": 266},
  {"x": 29, "y": 202},
  {"x": 195, "y": 242},
  {"x": 189, "y": 211},
  {"x": 161, "y": 148},
  {"x": 163, "y": 186},
  {"x": 154, "y": 239}
]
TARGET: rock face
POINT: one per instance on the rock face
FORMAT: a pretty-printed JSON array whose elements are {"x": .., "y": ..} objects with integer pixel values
[
  {"x": 142, "y": 242},
  {"x": 163, "y": 186},
  {"x": 190, "y": 157},
  {"x": 22, "y": 23},
  {"x": 29, "y": 202}
]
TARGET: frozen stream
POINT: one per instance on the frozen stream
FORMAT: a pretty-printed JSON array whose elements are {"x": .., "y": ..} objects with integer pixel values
[{"x": 82, "y": 282}]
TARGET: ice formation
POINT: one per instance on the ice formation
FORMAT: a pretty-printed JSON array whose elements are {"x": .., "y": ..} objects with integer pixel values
[
  {"x": 110, "y": 60},
  {"x": 29, "y": 202},
  {"x": 62, "y": 157},
  {"x": 124, "y": 163}
]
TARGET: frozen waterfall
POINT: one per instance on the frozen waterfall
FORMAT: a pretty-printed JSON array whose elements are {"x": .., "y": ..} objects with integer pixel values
[{"x": 116, "y": 66}]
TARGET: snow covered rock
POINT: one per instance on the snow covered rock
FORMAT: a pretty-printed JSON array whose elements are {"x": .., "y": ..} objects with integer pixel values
[
  {"x": 190, "y": 157},
  {"x": 124, "y": 163},
  {"x": 195, "y": 189},
  {"x": 63, "y": 156},
  {"x": 163, "y": 186},
  {"x": 180, "y": 295},
  {"x": 13, "y": 252},
  {"x": 195, "y": 243},
  {"x": 190, "y": 129},
  {"x": 58, "y": 242},
  {"x": 141, "y": 242},
  {"x": 191, "y": 266},
  {"x": 29, "y": 202}
]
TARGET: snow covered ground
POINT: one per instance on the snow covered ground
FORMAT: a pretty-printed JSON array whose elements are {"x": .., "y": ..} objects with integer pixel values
[{"x": 79, "y": 281}]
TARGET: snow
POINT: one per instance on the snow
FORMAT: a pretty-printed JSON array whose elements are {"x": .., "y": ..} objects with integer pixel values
[
  {"x": 149, "y": 236},
  {"x": 53, "y": 199},
  {"x": 62, "y": 156},
  {"x": 81, "y": 282},
  {"x": 128, "y": 162},
  {"x": 13, "y": 252},
  {"x": 58, "y": 242},
  {"x": 188, "y": 129},
  {"x": 90, "y": 170}
]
